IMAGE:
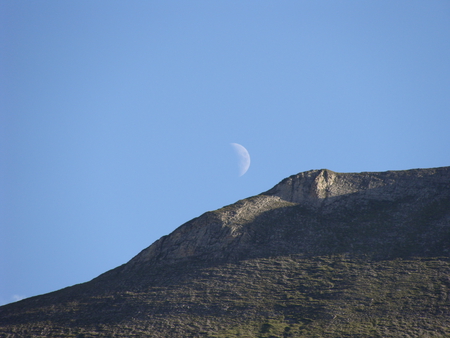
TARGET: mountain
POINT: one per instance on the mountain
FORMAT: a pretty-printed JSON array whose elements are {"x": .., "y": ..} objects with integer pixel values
[{"x": 321, "y": 254}]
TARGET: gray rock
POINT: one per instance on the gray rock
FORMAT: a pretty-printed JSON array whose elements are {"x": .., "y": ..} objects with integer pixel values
[{"x": 320, "y": 211}]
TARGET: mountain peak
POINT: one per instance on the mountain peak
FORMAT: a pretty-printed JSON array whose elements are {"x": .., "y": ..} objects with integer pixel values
[
  {"x": 320, "y": 254},
  {"x": 308, "y": 200},
  {"x": 315, "y": 186},
  {"x": 306, "y": 187}
]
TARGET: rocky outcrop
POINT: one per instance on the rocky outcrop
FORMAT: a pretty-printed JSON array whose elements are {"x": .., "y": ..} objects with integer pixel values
[
  {"x": 321, "y": 187},
  {"x": 312, "y": 212},
  {"x": 213, "y": 235}
]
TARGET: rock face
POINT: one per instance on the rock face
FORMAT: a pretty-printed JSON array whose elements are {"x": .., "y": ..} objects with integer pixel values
[
  {"x": 320, "y": 211},
  {"x": 321, "y": 187},
  {"x": 320, "y": 254}
]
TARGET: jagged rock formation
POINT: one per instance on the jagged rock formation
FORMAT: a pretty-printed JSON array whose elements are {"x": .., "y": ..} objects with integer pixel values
[{"x": 332, "y": 254}]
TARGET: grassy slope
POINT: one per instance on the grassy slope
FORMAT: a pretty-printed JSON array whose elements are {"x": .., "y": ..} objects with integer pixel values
[{"x": 328, "y": 296}]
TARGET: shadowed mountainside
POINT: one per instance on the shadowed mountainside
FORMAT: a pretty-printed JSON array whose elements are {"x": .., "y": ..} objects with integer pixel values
[{"x": 321, "y": 253}]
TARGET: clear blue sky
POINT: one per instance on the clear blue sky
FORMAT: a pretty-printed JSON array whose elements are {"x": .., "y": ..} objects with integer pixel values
[{"x": 116, "y": 117}]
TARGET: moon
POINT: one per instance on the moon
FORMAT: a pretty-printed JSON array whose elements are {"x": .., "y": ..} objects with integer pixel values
[{"x": 244, "y": 158}]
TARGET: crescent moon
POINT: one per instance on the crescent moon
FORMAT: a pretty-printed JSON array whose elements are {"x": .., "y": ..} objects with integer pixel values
[{"x": 244, "y": 158}]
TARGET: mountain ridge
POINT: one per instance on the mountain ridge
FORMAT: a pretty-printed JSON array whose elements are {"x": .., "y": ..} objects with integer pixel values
[
  {"x": 312, "y": 189},
  {"x": 321, "y": 253}
]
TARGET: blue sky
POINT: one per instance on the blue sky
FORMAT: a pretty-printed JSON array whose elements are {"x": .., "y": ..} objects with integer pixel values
[{"x": 116, "y": 117}]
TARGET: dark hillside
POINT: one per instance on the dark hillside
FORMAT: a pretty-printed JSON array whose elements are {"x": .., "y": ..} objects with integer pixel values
[{"x": 321, "y": 254}]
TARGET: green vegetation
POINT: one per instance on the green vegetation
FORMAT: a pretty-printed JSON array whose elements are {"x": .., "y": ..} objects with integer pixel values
[
  {"x": 361, "y": 264},
  {"x": 288, "y": 296}
]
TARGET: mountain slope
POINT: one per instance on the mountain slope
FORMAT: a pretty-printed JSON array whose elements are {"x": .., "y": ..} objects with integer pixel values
[{"x": 321, "y": 253}]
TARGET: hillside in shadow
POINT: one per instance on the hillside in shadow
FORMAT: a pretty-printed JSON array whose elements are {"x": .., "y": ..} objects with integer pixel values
[{"x": 321, "y": 254}]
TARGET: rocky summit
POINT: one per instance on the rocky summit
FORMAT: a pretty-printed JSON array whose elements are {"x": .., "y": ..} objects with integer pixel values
[{"x": 321, "y": 254}]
